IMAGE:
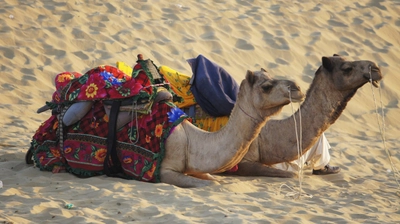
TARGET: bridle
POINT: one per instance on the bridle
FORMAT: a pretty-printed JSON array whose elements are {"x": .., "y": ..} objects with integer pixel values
[{"x": 257, "y": 120}]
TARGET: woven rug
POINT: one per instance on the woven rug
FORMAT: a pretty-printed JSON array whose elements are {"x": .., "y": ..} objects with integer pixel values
[{"x": 140, "y": 143}]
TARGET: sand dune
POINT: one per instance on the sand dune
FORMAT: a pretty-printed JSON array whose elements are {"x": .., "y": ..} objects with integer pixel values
[{"x": 39, "y": 39}]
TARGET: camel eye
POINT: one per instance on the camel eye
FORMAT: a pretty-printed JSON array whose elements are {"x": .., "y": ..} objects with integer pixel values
[
  {"x": 348, "y": 69},
  {"x": 267, "y": 88}
]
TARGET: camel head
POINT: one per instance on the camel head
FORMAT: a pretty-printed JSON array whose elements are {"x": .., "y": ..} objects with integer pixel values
[
  {"x": 350, "y": 75},
  {"x": 267, "y": 95}
]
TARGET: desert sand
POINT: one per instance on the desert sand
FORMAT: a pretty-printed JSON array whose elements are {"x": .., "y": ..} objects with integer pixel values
[{"x": 39, "y": 39}]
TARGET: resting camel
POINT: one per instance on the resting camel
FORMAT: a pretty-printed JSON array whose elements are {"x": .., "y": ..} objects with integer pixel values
[
  {"x": 334, "y": 84},
  {"x": 192, "y": 151}
]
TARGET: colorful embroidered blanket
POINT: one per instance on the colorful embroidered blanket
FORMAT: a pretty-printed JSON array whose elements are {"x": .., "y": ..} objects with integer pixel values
[
  {"x": 102, "y": 83},
  {"x": 180, "y": 84},
  {"x": 140, "y": 146}
]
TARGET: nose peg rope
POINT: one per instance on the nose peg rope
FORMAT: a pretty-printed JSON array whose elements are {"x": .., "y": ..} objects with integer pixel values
[
  {"x": 382, "y": 127},
  {"x": 299, "y": 147}
]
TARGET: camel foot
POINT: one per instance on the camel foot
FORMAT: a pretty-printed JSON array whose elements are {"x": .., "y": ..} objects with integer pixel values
[
  {"x": 259, "y": 169},
  {"x": 182, "y": 180}
]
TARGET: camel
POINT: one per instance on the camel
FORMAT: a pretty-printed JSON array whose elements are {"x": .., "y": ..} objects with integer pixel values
[
  {"x": 191, "y": 153},
  {"x": 334, "y": 84}
]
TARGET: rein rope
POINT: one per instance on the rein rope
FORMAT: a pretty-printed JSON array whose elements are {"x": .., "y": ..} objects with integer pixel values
[
  {"x": 382, "y": 127},
  {"x": 299, "y": 147},
  {"x": 299, "y": 139},
  {"x": 248, "y": 114}
]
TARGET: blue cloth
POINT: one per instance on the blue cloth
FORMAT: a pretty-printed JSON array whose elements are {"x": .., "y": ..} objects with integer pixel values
[{"x": 213, "y": 88}]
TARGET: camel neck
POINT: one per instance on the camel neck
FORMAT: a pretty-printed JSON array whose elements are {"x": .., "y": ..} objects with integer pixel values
[
  {"x": 244, "y": 133},
  {"x": 321, "y": 108},
  {"x": 253, "y": 118}
]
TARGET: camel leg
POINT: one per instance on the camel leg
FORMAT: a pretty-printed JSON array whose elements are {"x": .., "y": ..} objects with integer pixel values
[
  {"x": 204, "y": 176},
  {"x": 182, "y": 180},
  {"x": 259, "y": 169}
]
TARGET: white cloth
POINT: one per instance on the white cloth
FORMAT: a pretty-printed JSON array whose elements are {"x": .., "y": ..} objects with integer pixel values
[{"x": 316, "y": 158}]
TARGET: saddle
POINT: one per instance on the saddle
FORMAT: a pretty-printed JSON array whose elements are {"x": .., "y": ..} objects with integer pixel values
[{"x": 70, "y": 103}]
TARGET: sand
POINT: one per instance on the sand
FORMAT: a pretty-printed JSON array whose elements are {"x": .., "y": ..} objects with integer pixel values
[{"x": 39, "y": 39}]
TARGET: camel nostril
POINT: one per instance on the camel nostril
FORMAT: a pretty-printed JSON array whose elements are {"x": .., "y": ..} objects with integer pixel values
[
  {"x": 293, "y": 87},
  {"x": 373, "y": 67}
]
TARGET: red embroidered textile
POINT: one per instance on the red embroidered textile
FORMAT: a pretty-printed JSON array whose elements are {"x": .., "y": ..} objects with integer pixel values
[{"x": 140, "y": 146}]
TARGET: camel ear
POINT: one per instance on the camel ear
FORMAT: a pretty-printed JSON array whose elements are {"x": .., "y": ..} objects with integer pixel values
[
  {"x": 327, "y": 63},
  {"x": 336, "y": 55},
  {"x": 250, "y": 77},
  {"x": 263, "y": 70}
]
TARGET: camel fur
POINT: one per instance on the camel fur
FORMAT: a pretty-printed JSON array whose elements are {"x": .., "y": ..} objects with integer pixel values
[
  {"x": 192, "y": 152},
  {"x": 334, "y": 84}
]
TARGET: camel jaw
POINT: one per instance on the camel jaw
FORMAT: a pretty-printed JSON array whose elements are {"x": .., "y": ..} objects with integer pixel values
[
  {"x": 373, "y": 82},
  {"x": 297, "y": 100}
]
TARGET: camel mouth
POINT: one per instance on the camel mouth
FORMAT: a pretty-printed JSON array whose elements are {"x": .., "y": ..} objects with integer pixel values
[
  {"x": 296, "y": 96},
  {"x": 375, "y": 69},
  {"x": 376, "y": 72},
  {"x": 297, "y": 100},
  {"x": 375, "y": 83}
]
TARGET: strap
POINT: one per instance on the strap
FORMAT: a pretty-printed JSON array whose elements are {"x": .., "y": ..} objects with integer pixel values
[
  {"x": 29, "y": 155},
  {"x": 61, "y": 131},
  {"x": 192, "y": 111},
  {"x": 111, "y": 163}
]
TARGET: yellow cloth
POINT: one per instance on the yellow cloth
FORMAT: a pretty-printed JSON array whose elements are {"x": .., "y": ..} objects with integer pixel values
[
  {"x": 211, "y": 124},
  {"x": 125, "y": 68},
  {"x": 180, "y": 85}
]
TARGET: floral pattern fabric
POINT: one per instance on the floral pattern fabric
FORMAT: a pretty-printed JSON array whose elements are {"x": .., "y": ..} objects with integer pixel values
[
  {"x": 140, "y": 143},
  {"x": 140, "y": 146},
  {"x": 47, "y": 154},
  {"x": 141, "y": 159},
  {"x": 61, "y": 80},
  {"x": 101, "y": 83}
]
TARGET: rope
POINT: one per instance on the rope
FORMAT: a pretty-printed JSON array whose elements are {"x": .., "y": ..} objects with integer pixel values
[
  {"x": 155, "y": 85},
  {"x": 134, "y": 112},
  {"x": 382, "y": 127},
  {"x": 60, "y": 131},
  {"x": 293, "y": 193},
  {"x": 248, "y": 114},
  {"x": 300, "y": 158}
]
